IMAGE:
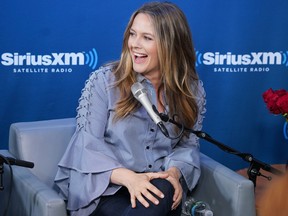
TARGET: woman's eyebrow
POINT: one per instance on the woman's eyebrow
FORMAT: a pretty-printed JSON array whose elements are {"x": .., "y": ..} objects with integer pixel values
[{"x": 144, "y": 33}]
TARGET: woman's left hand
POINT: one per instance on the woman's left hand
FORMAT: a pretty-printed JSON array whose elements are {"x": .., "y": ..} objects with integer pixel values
[{"x": 173, "y": 178}]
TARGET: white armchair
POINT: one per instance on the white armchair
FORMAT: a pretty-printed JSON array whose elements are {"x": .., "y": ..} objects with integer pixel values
[{"x": 44, "y": 142}]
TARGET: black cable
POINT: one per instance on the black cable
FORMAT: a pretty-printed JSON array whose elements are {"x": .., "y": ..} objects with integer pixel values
[
  {"x": 4, "y": 159},
  {"x": 163, "y": 118}
]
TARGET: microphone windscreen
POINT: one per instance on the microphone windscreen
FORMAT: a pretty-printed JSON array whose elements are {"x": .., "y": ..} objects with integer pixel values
[{"x": 138, "y": 89}]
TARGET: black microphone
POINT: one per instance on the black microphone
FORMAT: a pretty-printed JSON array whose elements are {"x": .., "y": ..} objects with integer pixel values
[
  {"x": 140, "y": 93},
  {"x": 17, "y": 162}
]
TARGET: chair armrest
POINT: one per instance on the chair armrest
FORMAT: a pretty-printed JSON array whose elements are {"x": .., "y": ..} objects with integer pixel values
[
  {"x": 43, "y": 143},
  {"x": 227, "y": 192},
  {"x": 29, "y": 197}
]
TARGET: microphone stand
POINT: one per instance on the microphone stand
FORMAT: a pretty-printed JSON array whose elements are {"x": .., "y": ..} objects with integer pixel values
[
  {"x": 255, "y": 164},
  {"x": 11, "y": 161}
]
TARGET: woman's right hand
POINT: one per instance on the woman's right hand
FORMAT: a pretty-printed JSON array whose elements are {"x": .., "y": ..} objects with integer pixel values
[{"x": 138, "y": 185}]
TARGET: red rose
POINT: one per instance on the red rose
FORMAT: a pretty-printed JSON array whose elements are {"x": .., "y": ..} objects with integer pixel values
[
  {"x": 280, "y": 92},
  {"x": 270, "y": 99},
  {"x": 267, "y": 95},
  {"x": 282, "y": 103},
  {"x": 276, "y": 101}
]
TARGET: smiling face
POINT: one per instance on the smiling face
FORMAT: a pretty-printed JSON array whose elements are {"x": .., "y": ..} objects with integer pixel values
[{"x": 143, "y": 47}]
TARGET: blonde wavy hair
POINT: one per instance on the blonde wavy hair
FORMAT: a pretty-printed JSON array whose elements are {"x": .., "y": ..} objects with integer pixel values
[{"x": 176, "y": 59}]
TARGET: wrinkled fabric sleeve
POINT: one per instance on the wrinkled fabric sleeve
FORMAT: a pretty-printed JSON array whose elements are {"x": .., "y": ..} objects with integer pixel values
[
  {"x": 186, "y": 154},
  {"x": 82, "y": 176}
]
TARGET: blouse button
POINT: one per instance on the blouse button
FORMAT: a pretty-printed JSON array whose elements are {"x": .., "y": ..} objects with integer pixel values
[
  {"x": 147, "y": 147},
  {"x": 152, "y": 130},
  {"x": 150, "y": 166}
]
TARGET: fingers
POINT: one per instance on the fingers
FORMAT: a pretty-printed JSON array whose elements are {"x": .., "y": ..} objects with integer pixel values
[
  {"x": 145, "y": 192},
  {"x": 178, "y": 191},
  {"x": 143, "y": 201},
  {"x": 133, "y": 201},
  {"x": 177, "y": 198},
  {"x": 173, "y": 177},
  {"x": 142, "y": 190},
  {"x": 145, "y": 195},
  {"x": 155, "y": 175},
  {"x": 149, "y": 196},
  {"x": 155, "y": 191}
]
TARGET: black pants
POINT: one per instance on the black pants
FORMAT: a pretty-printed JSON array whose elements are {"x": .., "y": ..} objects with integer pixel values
[{"x": 119, "y": 203}]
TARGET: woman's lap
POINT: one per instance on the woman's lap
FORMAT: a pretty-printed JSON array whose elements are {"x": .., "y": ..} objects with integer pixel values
[{"x": 119, "y": 203}]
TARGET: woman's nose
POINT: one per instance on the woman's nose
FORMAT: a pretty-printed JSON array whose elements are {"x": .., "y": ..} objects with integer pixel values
[{"x": 136, "y": 42}]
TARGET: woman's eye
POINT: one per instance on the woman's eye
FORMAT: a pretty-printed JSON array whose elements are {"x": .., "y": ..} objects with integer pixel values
[
  {"x": 131, "y": 33},
  {"x": 147, "y": 38}
]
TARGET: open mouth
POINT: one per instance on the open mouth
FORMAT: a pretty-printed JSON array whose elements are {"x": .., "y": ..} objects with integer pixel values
[{"x": 140, "y": 58}]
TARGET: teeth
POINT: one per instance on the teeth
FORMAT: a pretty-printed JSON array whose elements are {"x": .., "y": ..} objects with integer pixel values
[{"x": 139, "y": 55}]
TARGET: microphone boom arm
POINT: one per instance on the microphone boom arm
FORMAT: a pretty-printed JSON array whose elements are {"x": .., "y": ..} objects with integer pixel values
[{"x": 255, "y": 165}]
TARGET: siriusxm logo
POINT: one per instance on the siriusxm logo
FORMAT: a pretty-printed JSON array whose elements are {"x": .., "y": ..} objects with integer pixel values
[
  {"x": 249, "y": 59},
  {"x": 89, "y": 58}
]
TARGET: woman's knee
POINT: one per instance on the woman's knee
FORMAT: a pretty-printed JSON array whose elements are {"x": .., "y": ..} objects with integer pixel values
[{"x": 164, "y": 186}]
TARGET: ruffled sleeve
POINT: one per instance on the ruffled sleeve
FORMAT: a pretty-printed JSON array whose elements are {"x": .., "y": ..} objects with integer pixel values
[{"x": 82, "y": 176}]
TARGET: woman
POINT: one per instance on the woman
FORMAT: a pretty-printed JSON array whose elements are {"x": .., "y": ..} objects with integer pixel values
[{"x": 118, "y": 162}]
